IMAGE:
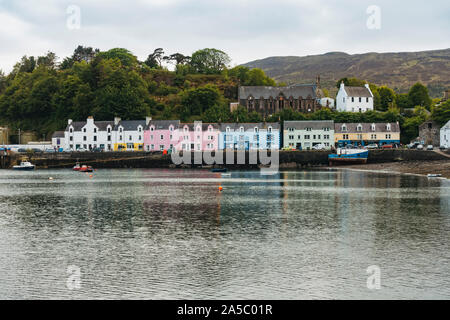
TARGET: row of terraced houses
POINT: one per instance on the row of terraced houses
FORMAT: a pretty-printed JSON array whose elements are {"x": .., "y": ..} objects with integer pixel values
[{"x": 159, "y": 135}]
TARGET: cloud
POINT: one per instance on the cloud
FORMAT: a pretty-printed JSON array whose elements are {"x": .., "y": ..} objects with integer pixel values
[{"x": 245, "y": 29}]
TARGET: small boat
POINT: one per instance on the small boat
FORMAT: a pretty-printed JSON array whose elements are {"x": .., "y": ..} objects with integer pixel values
[
  {"x": 24, "y": 165},
  {"x": 85, "y": 168},
  {"x": 219, "y": 170},
  {"x": 434, "y": 175},
  {"x": 226, "y": 174},
  {"x": 348, "y": 156},
  {"x": 77, "y": 167}
]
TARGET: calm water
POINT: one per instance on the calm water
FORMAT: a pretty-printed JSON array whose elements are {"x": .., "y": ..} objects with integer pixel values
[{"x": 152, "y": 234}]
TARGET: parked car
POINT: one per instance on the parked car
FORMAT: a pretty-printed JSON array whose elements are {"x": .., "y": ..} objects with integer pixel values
[
  {"x": 387, "y": 146},
  {"x": 372, "y": 146},
  {"x": 420, "y": 147},
  {"x": 429, "y": 147},
  {"x": 21, "y": 150},
  {"x": 81, "y": 149},
  {"x": 442, "y": 148},
  {"x": 97, "y": 149},
  {"x": 50, "y": 150},
  {"x": 319, "y": 146}
]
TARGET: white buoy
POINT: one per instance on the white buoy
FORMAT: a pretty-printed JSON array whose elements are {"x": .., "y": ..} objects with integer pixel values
[{"x": 50, "y": 178}]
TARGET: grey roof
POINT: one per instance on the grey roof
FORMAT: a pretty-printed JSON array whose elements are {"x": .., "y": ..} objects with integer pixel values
[
  {"x": 58, "y": 134},
  {"x": 163, "y": 124},
  {"x": 249, "y": 126},
  {"x": 366, "y": 127},
  {"x": 446, "y": 126},
  {"x": 205, "y": 125},
  {"x": 315, "y": 125},
  {"x": 295, "y": 91},
  {"x": 101, "y": 125},
  {"x": 130, "y": 125},
  {"x": 358, "y": 92}
]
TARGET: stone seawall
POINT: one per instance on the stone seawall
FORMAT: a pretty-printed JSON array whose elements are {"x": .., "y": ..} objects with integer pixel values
[{"x": 287, "y": 159}]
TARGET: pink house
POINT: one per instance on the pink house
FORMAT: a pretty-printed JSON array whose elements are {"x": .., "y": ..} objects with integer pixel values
[
  {"x": 161, "y": 135},
  {"x": 198, "y": 136}
]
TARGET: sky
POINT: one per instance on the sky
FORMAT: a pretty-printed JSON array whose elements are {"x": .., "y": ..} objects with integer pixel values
[{"x": 245, "y": 29}]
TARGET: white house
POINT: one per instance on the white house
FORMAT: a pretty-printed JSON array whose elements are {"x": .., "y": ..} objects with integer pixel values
[
  {"x": 58, "y": 140},
  {"x": 129, "y": 134},
  {"x": 445, "y": 135},
  {"x": 354, "y": 99},
  {"x": 89, "y": 135}
]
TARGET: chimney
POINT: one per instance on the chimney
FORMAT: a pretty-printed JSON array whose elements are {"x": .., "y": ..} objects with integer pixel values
[
  {"x": 90, "y": 119},
  {"x": 342, "y": 85},
  {"x": 116, "y": 121},
  {"x": 69, "y": 122},
  {"x": 147, "y": 120},
  {"x": 366, "y": 85}
]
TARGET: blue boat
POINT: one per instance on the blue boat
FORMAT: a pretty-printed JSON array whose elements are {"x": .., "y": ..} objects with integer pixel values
[
  {"x": 219, "y": 170},
  {"x": 348, "y": 156}
]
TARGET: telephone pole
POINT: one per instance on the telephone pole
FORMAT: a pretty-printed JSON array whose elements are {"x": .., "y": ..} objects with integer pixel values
[{"x": 19, "y": 135}]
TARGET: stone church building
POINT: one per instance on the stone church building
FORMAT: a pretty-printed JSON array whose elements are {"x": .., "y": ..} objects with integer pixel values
[{"x": 269, "y": 100}]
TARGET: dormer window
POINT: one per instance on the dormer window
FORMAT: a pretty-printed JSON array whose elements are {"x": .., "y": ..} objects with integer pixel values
[
  {"x": 198, "y": 128},
  {"x": 270, "y": 129},
  {"x": 71, "y": 130},
  {"x": 210, "y": 129},
  {"x": 256, "y": 130},
  {"x": 152, "y": 128},
  {"x": 171, "y": 128},
  {"x": 228, "y": 129},
  {"x": 109, "y": 129},
  {"x": 359, "y": 127},
  {"x": 95, "y": 130},
  {"x": 120, "y": 129},
  {"x": 344, "y": 128},
  {"x": 373, "y": 126},
  {"x": 388, "y": 127},
  {"x": 241, "y": 129},
  {"x": 139, "y": 129},
  {"x": 84, "y": 129}
]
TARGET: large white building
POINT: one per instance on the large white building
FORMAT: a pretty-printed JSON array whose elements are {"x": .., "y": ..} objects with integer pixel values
[
  {"x": 445, "y": 135},
  {"x": 354, "y": 99}
]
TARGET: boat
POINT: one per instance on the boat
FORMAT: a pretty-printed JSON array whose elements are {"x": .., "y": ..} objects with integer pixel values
[
  {"x": 219, "y": 170},
  {"x": 24, "y": 165},
  {"x": 434, "y": 175},
  {"x": 348, "y": 156},
  {"x": 77, "y": 167},
  {"x": 85, "y": 168}
]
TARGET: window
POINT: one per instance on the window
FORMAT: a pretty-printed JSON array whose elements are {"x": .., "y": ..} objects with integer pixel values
[
  {"x": 71, "y": 138},
  {"x": 171, "y": 128},
  {"x": 161, "y": 137},
  {"x": 359, "y": 127},
  {"x": 210, "y": 129},
  {"x": 388, "y": 136},
  {"x": 186, "y": 129},
  {"x": 171, "y": 137},
  {"x": 198, "y": 147},
  {"x": 270, "y": 129},
  {"x": 140, "y": 138},
  {"x": 152, "y": 128},
  {"x": 373, "y": 136},
  {"x": 71, "y": 130},
  {"x": 367, "y": 100},
  {"x": 227, "y": 129},
  {"x": 161, "y": 147},
  {"x": 84, "y": 129},
  {"x": 326, "y": 129},
  {"x": 151, "y": 137},
  {"x": 359, "y": 136},
  {"x": 388, "y": 127},
  {"x": 139, "y": 129},
  {"x": 130, "y": 146},
  {"x": 109, "y": 130},
  {"x": 291, "y": 137},
  {"x": 109, "y": 138},
  {"x": 130, "y": 138},
  {"x": 307, "y": 137},
  {"x": 95, "y": 131},
  {"x": 318, "y": 137},
  {"x": 198, "y": 128},
  {"x": 314, "y": 137},
  {"x": 95, "y": 138},
  {"x": 345, "y": 136},
  {"x": 152, "y": 147},
  {"x": 120, "y": 130},
  {"x": 344, "y": 128},
  {"x": 360, "y": 99},
  {"x": 291, "y": 129},
  {"x": 241, "y": 129},
  {"x": 84, "y": 138},
  {"x": 343, "y": 99},
  {"x": 373, "y": 127},
  {"x": 353, "y": 99},
  {"x": 120, "y": 138},
  {"x": 256, "y": 129},
  {"x": 299, "y": 137}
]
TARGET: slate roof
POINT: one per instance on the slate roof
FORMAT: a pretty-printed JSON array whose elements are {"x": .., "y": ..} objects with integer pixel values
[
  {"x": 163, "y": 124},
  {"x": 446, "y": 126},
  {"x": 101, "y": 125},
  {"x": 358, "y": 92},
  {"x": 249, "y": 126},
  {"x": 314, "y": 125},
  {"x": 204, "y": 126},
  {"x": 130, "y": 125},
  {"x": 58, "y": 134},
  {"x": 366, "y": 127},
  {"x": 295, "y": 91}
]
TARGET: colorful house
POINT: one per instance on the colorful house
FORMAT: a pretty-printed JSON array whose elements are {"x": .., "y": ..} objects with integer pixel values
[
  {"x": 249, "y": 136},
  {"x": 361, "y": 134},
  {"x": 198, "y": 136},
  {"x": 161, "y": 135},
  {"x": 129, "y": 134},
  {"x": 304, "y": 135},
  {"x": 58, "y": 140},
  {"x": 354, "y": 99}
]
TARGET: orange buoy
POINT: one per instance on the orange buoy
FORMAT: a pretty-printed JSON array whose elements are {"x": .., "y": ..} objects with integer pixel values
[
  {"x": 220, "y": 188},
  {"x": 90, "y": 176}
]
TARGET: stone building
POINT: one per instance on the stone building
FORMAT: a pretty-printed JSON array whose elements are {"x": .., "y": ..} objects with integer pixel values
[
  {"x": 429, "y": 133},
  {"x": 269, "y": 100}
]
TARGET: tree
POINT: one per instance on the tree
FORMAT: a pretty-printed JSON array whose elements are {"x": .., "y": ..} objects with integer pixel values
[
  {"x": 126, "y": 57},
  {"x": 178, "y": 58},
  {"x": 418, "y": 96},
  {"x": 402, "y": 101},
  {"x": 441, "y": 113},
  {"x": 217, "y": 114},
  {"x": 197, "y": 100},
  {"x": 154, "y": 60},
  {"x": 84, "y": 54},
  {"x": 48, "y": 61},
  {"x": 387, "y": 98},
  {"x": 351, "y": 82},
  {"x": 209, "y": 61}
]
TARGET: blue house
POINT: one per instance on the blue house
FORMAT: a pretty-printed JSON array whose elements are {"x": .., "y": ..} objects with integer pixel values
[{"x": 249, "y": 136}]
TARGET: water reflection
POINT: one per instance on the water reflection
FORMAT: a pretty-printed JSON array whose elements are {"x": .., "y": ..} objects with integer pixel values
[{"x": 174, "y": 234}]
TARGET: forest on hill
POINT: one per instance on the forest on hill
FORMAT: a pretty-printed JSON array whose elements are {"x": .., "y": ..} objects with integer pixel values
[{"x": 41, "y": 93}]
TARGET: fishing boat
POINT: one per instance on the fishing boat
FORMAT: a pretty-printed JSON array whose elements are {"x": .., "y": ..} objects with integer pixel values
[
  {"x": 85, "y": 168},
  {"x": 219, "y": 170},
  {"x": 348, "y": 156},
  {"x": 24, "y": 165},
  {"x": 434, "y": 175}
]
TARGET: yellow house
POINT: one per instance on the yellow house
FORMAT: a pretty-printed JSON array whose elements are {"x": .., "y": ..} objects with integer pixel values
[
  {"x": 366, "y": 133},
  {"x": 129, "y": 134},
  {"x": 128, "y": 146}
]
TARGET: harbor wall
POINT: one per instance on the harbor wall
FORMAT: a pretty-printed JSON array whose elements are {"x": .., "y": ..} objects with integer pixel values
[{"x": 287, "y": 159}]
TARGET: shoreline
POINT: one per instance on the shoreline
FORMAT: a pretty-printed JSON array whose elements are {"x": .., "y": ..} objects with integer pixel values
[{"x": 421, "y": 168}]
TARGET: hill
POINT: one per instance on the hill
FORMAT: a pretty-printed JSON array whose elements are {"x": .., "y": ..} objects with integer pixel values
[{"x": 397, "y": 70}]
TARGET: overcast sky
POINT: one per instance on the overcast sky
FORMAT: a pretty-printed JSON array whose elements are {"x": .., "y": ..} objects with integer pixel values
[{"x": 245, "y": 29}]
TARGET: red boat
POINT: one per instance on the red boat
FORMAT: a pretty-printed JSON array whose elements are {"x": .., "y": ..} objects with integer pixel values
[
  {"x": 77, "y": 167},
  {"x": 85, "y": 168}
]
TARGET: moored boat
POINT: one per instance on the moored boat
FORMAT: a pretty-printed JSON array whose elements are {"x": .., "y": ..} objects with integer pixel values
[
  {"x": 77, "y": 167},
  {"x": 24, "y": 165},
  {"x": 85, "y": 168},
  {"x": 348, "y": 156},
  {"x": 219, "y": 170}
]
